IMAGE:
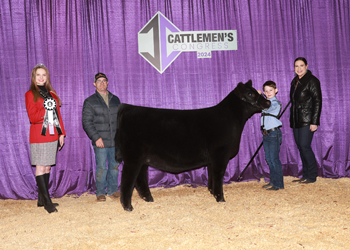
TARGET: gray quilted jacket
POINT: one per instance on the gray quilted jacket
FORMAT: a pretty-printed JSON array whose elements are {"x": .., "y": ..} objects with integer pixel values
[{"x": 99, "y": 120}]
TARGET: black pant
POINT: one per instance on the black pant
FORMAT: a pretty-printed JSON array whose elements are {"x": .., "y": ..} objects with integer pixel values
[{"x": 303, "y": 137}]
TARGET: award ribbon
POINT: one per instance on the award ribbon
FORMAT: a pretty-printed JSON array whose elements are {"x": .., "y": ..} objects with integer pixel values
[{"x": 51, "y": 117}]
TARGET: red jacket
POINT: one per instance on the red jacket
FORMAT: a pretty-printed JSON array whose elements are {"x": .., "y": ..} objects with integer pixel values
[{"x": 36, "y": 113}]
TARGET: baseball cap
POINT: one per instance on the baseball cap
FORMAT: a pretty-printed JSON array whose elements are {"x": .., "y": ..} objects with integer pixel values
[{"x": 100, "y": 75}]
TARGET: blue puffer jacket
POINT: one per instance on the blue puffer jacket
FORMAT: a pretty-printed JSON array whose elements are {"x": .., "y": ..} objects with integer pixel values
[{"x": 99, "y": 120}]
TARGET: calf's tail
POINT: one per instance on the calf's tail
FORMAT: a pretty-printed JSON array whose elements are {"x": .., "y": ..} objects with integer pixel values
[{"x": 117, "y": 138}]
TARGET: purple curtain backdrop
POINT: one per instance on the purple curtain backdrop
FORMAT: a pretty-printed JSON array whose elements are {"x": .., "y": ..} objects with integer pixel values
[{"x": 76, "y": 39}]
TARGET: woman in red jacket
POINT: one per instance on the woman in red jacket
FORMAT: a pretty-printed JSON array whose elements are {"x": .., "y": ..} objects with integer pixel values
[{"x": 46, "y": 131}]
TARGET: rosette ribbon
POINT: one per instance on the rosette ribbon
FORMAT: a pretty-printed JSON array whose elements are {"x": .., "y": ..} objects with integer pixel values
[{"x": 51, "y": 118}]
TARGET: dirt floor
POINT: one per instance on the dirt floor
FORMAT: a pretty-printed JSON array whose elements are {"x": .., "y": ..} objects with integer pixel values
[{"x": 302, "y": 216}]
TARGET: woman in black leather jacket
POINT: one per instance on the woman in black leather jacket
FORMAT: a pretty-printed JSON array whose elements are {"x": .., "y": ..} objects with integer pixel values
[{"x": 305, "y": 111}]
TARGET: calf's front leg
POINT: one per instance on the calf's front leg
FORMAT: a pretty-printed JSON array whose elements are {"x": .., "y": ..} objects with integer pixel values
[{"x": 217, "y": 179}]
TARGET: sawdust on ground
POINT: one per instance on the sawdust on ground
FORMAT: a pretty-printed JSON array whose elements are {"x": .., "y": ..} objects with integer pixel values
[{"x": 302, "y": 216}]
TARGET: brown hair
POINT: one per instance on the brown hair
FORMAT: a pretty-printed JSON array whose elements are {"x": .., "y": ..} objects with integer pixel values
[
  {"x": 34, "y": 88},
  {"x": 270, "y": 84}
]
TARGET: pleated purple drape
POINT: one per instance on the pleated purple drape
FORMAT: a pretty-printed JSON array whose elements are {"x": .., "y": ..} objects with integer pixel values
[{"x": 77, "y": 39}]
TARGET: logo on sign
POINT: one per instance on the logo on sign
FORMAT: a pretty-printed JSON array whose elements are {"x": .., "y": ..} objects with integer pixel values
[{"x": 160, "y": 42}]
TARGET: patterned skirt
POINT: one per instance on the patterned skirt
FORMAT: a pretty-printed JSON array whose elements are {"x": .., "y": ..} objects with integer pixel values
[{"x": 43, "y": 154}]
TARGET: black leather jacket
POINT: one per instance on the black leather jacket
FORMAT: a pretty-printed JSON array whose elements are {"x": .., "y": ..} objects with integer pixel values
[{"x": 306, "y": 101}]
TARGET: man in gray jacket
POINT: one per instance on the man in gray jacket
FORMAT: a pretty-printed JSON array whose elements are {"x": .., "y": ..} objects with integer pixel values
[{"x": 100, "y": 124}]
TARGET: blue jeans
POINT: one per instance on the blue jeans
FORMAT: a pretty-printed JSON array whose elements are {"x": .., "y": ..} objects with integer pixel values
[
  {"x": 272, "y": 143},
  {"x": 106, "y": 178},
  {"x": 303, "y": 138}
]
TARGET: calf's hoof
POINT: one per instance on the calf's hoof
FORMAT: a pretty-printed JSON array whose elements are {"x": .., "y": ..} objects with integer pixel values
[
  {"x": 50, "y": 208},
  {"x": 220, "y": 199},
  {"x": 148, "y": 199},
  {"x": 128, "y": 208}
]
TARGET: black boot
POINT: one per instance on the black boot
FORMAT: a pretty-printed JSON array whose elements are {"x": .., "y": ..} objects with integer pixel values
[
  {"x": 47, "y": 178},
  {"x": 40, "y": 199},
  {"x": 40, "y": 180},
  {"x": 40, "y": 196}
]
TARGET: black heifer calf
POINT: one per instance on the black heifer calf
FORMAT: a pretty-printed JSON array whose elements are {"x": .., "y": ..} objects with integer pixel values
[{"x": 181, "y": 140}]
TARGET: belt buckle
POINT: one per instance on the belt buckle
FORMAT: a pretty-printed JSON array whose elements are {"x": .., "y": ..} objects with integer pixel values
[{"x": 265, "y": 132}]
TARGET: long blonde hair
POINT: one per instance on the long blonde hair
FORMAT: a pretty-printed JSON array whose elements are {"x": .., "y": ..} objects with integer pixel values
[{"x": 33, "y": 86}]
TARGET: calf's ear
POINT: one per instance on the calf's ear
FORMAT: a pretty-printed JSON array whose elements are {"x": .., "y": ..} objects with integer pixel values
[
  {"x": 249, "y": 83},
  {"x": 239, "y": 89}
]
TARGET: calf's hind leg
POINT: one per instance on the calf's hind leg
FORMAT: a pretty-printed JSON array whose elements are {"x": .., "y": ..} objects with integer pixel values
[
  {"x": 210, "y": 178},
  {"x": 142, "y": 184},
  {"x": 129, "y": 175}
]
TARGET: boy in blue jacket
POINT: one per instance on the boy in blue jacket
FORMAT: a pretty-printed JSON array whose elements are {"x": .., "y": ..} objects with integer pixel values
[{"x": 272, "y": 136}]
